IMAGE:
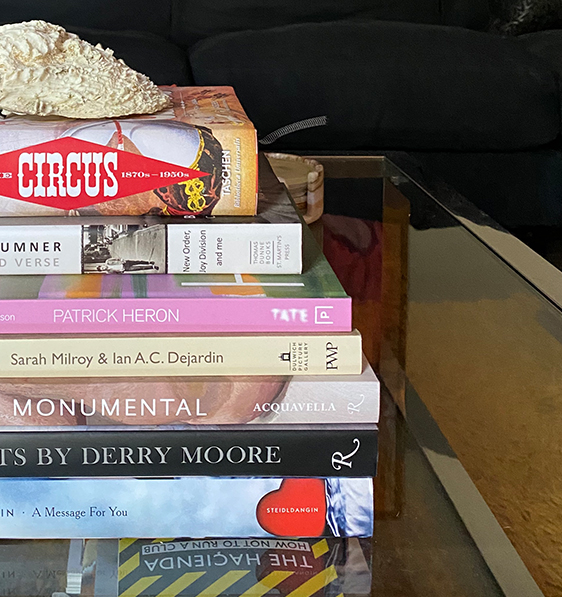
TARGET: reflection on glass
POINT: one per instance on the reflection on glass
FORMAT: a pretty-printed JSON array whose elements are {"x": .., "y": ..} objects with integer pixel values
[{"x": 146, "y": 568}]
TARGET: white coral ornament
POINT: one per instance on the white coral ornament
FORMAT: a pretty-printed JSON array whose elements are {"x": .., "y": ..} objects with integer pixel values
[{"x": 46, "y": 71}]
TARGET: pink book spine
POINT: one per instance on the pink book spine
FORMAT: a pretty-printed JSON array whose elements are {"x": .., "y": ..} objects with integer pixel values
[{"x": 193, "y": 315}]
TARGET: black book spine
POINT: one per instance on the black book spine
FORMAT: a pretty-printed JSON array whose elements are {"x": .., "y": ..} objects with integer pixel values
[{"x": 328, "y": 451}]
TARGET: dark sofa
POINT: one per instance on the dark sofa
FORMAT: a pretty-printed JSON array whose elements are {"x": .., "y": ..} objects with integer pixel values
[{"x": 445, "y": 80}]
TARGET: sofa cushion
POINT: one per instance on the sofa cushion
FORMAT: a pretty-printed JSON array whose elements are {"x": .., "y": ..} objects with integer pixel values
[
  {"x": 140, "y": 15},
  {"x": 547, "y": 45},
  {"x": 150, "y": 54},
  {"x": 386, "y": 85},
  {"x": 194, "y": 20}
]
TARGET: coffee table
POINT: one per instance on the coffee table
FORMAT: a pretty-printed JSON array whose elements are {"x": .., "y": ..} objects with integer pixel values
[
  {"x": 463, "y": 322},
  {"x": 464, "y": 325}
]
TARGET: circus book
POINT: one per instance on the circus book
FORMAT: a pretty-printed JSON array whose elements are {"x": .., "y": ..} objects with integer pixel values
[{"x": 197, "y": 158}]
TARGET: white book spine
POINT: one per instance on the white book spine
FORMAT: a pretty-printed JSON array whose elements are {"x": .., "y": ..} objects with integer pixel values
[{"x": 235, "y": 249}]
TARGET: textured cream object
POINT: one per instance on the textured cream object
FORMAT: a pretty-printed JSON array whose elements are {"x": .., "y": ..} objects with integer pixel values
[{"x": 46, "y": 71}]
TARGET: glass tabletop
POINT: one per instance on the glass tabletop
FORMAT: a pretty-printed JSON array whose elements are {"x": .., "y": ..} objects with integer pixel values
[
  {"x": 464, "y": 326},
  {"x": 462, "y": 322}
]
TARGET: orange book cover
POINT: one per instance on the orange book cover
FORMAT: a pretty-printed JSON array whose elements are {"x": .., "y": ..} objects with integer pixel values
[{"x": 197, "y": 158}]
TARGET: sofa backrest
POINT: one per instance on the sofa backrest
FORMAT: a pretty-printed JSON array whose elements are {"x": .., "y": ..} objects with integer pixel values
[
  {"x": 140, "y": 15},
  {"x": 193, "y": 20},
  {"x": 472, "y": 14},
  {"x": 188, "y": 21}
]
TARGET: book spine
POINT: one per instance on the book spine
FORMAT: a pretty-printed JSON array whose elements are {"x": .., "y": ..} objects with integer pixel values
[
  {"x": 118, "y": 356},
  {"x": 301, "y": 564},
  {"x": 129, "y": 403},
  {"x": 167, "y": 315},
  {"x": 191, "y": 248},
  {"x": 346, "y": 451},
  {"x": 186, "y": 506},
  {"x": 122, "y": 167},
  {"x": 235, "y": 249}
]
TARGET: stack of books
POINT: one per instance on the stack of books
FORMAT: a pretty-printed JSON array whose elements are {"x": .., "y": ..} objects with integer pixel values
[{"x": 172, "y": 363}]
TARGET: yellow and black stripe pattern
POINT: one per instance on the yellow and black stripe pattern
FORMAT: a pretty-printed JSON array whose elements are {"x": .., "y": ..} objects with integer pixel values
[{"x": 243, "y": 580}]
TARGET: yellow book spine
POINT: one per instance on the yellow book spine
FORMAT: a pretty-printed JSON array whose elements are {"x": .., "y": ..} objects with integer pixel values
[{"x": 118, "y": 356}]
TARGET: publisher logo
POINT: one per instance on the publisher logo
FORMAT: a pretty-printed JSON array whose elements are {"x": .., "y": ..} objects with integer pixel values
[
  {"x": 331, "y": 356},
  {"x": 296, "y": 356},
  {"x": 285, "y": 356},
  {"x": 290, "y": 315},
  {"x": 339, "y": 459},
  {"x": 69, "y": 173},
  {"x": 322, "y": 315},
  {"x": 355, "y": 407}
]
